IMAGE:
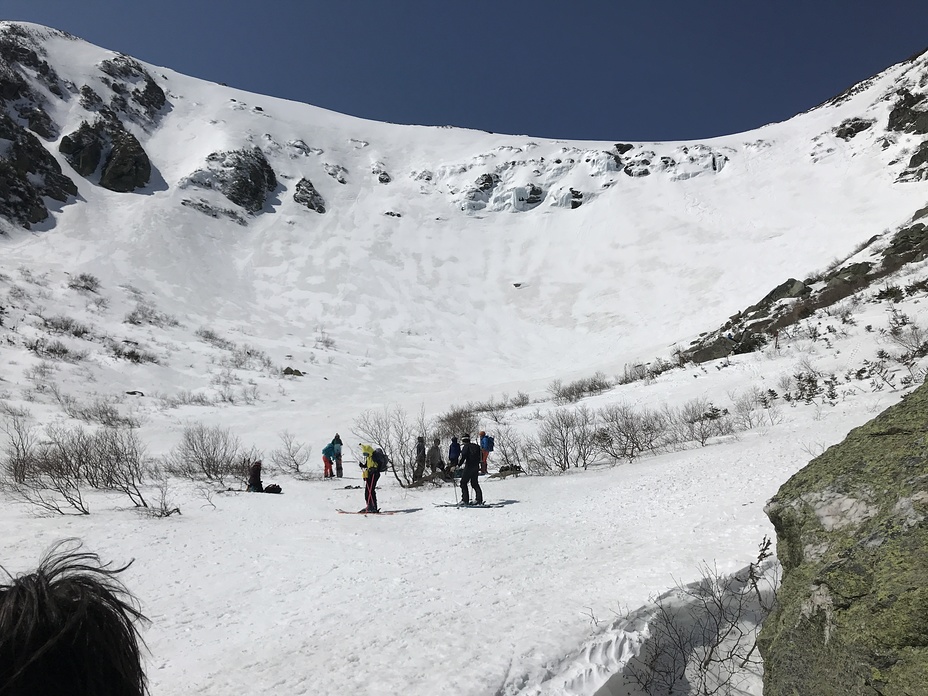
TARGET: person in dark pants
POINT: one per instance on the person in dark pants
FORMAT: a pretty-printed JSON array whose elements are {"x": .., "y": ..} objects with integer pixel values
[
  {"x": 370, "y": 475},
  {"x": 254, "y": 478},
  {"x": 419, "y": 471},
  {"x": 436, "y": 463},
  {"x": 470, "y": 459},
  {"x": 338, "y": 455},
  {"x": 454, "y": 454}
]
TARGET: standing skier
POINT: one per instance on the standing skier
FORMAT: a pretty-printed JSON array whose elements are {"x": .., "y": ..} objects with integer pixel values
[
  {"x": 470, "y": 458},
  {"x": 330, "y": 454},
  {"x": 454, "y": 454},
  {"x": 371, "y": 474}
]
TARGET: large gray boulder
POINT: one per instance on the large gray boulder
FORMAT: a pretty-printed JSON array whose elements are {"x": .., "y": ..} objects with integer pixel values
[
  {"x": 28, "y": 172},
  {"x": 852, "y": 535},
  {"x": 125, "y": 165},
  {"x": 306, "y": 194},
  {"x": 243, "y": 176}
]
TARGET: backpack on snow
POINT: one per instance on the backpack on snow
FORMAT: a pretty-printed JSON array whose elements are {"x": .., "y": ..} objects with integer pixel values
[
  {"x": 273, "y": 488},
  {"x": 381, "y": 460},
  {"x": 490, "y": 443}
]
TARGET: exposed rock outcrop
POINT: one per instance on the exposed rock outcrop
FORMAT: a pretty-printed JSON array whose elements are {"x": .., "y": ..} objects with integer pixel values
[
  {"x": 243, "y": 176},
  {"x": 909, "y": 114},
  {"x": 852, "y": 535},
  {"x": 135, "y": 92},
  {"x": 306, "y": 194},
  {"x": 28, "y": 172},
  {"x": 126, "y": 166}
]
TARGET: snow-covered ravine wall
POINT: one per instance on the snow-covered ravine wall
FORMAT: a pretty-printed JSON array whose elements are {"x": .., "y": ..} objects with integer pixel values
[{"x": 566, "y": 256}]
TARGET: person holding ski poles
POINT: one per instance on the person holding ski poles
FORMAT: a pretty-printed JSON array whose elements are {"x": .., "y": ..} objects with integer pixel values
[
  {"x": 470, "y": 459},
  {"x": 370, "y": 474}
]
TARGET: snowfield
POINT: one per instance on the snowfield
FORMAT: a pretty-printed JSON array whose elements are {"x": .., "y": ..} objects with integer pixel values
[{"x": 461, "y": 296}]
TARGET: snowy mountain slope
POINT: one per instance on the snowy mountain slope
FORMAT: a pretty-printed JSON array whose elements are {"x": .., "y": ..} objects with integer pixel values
[
  {"x": 613, "y": 281},
  {"x": 421, "y": 309}
]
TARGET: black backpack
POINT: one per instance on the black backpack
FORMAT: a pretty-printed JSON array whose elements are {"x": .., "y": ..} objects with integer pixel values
[{"x": 381, "y": 460}]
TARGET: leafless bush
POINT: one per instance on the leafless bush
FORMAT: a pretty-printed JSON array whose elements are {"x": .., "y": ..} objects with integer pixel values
[
  {"x": 206, "y": 452},
  {"x": 183, "y": 398},
  {"x": 457, "y": 421},
  {"x": 46, "y": 476},
  {"x": 567, "y": 437},
  {"x": 246, "y": 357},
  {"x": 210, "y": 336},
  {"x": 633, "y": 373},
  {"x": 163, "y": 503},
  {"x": 292, "y": 454},
  {"x": 146, "y": 313},
  {"x": 131, "y": 352},
  {"x": 510, "y": 449},
  {"x": 520, "y": 400},
  {"x": 66, "y": 325},
  {"x": 703, "y": 636},
  {"x": 98, "y": 411},
  {"x": 21, "y": 441},
  {"x": 323, "y": 340},
  {"x": 574, "y": 391},
  {"x": 121, "y": 462},
  {"x": 698, "y": 420},
  {"x": 85, "y": 282},
  {"x": 624, "y": 433},
  {"x": 392, "y": 430},
  {"x": 55, "y": 350}
]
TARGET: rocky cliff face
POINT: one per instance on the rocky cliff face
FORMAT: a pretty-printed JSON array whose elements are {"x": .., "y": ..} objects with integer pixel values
[{"x": 852, "y": 536}]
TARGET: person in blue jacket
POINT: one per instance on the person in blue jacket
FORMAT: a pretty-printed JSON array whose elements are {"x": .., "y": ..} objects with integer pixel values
[{"x": 454, "y": 454}]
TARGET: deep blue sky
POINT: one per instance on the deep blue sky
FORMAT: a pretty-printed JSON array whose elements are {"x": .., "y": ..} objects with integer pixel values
[{"x": 577, "y": 69}]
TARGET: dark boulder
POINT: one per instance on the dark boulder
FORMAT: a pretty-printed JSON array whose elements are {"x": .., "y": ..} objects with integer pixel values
[
  {"x": 850, "y": 127},
  {"x": 243, "y": 176},
  {"x": 126, "y": 166},
  {"x": 906, "y": 117},
  {"x": 28, "y": 172},
  {"x": 136, "y": 94},
  {"x": 535, "y": 195},
  {"x": 306, "y": 194},
  {"x": 576, "y": 199}
]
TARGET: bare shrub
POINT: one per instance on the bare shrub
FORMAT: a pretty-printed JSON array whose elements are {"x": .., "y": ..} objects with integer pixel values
[
  {"x": 633, "y": 373},
  {"x": 520, "y": 400},
  {"x": 703, "y": 636},
  {"x": 292, "y": 454},
  {"x": 85, "y": 282},
  {"x": 457, "y": 421},
  {"x": 574, "y": 391},
  {"x": 163, "y": 502},
  {"x": 55, "y": 350},
  {"x": 121, "y": 461},
  {"x": 510, "y": 449},
  {"x": 66, "y": 325},
  {"x": 146, "y": 313},
  {"x": 698, "y": 420},
  {"x": 21, "y": 441},
  {"x": 206, "y": 452},
  {"x": 131, "y": 351},
  {"x": 392, "y": 430},
  {"x": 567, "y": 437},
  {"x": 99, "y": 411},
  {"x": 210, "y": 336},
  {"x": 624, "y": 433},
  {"x": 49, "y": 476}
]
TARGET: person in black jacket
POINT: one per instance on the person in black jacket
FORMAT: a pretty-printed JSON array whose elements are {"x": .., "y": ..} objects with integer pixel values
[
  {"x": 470, "y": 459},
  {"x": 254, "y": 478},
  {"x": 419, "y": 471}
]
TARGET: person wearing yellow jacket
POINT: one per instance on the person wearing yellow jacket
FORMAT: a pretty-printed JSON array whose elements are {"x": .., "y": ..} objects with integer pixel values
[{"x": 371, "y": 475}]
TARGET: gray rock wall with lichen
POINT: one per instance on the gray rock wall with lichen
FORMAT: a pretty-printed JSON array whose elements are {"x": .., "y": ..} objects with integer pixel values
[{"x": 852, "y": 536}]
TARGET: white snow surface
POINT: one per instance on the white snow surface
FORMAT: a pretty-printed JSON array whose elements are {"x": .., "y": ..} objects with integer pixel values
[{"x": 251, "y": 594}]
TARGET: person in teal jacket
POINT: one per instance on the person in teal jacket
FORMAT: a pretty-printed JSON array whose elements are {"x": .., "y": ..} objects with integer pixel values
[{"x": 331, "y": 453}]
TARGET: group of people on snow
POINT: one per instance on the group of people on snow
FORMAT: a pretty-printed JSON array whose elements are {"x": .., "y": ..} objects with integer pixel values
[{"x": 465, "y": 459}]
